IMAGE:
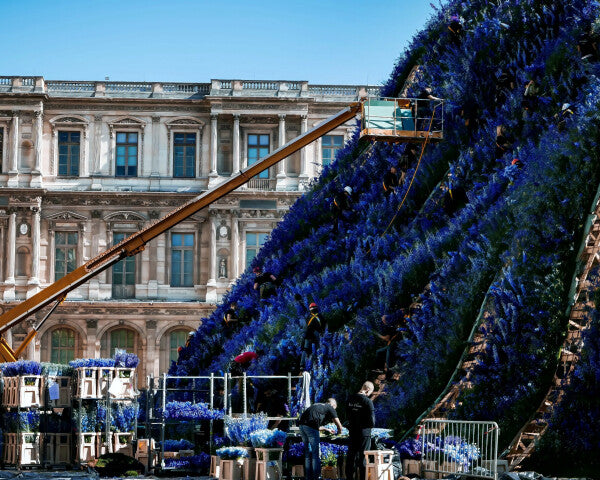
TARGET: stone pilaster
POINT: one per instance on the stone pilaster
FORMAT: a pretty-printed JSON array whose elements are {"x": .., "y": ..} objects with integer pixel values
[
  {"x": 9, "y": 290},
  {"x": 35, "y": 246},
  {"x": 13, "y": 172},
  {"x": 213, "y": 175},
  {"x": 236, "y": 144},
  {"x": 281, "y": 175},
  {"x": 303, "y": 179},
  {"x": 211, "y": 285}
]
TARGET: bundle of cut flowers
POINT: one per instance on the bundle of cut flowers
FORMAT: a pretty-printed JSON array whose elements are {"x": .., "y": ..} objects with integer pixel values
[
  {"x": 380, "y": 433},
  {"x": 295, "y": 451},
  {"x": 454, "y": 448},
  {"x": 266, "y": 438},
  {"x": 334, "y": 428},
  {"x": 192, "y": 411},
  {"x": 240, "y": 429},
  {"x": 232, "y": 453},
  {"x": 126, "y": 360},
  {"x": 92, "y": 362},
  {"x": 21, "y": 367},
  {"x": 195, "y": 462},
  {"x": 410, "y": 449},
  {"x": 176, "y": 445},
  {"x": 330, "y": 452},
  {"x": 123, "y": 418}
]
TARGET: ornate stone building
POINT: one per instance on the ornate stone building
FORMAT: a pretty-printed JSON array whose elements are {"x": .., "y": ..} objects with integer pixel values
[{"x": 85, "y": 164}]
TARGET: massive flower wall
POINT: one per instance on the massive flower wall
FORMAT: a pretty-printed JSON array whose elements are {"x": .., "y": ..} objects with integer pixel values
[{"x": 515, "y": 239}]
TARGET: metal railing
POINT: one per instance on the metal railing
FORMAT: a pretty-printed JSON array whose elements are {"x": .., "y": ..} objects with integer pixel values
[
  {"x": 409, "y": 115},
  {"x": 468, "y": 448},
  {"x": 264, "y": 184}
]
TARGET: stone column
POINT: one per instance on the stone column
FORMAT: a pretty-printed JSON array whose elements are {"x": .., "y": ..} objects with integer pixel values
[
  {"x": 35, "y": 242},
  {"x": 36, "y": 173},
  {"x": 281, "y": 176},
  {"x": 211, "y": 285},
  {"x": 13, "y": 172},
  {"x": 213, "y": 175},
  {"x": 95, "y": 153},
  {"x": 303, "y": 179},
  {"x": 9, "y": 291},
  {"x": 236, "y": 143}
]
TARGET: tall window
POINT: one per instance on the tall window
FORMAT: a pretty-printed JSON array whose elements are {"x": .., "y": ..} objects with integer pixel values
[
  {"x": 123, "y": 273},
  {"x": 65, "y": 253},
  {"x": 176, "y": 339},
  {"x": 68, "y": 153},
  {"x": 258, "y": 147},
  {"x": 121, "y": 338},
  {"x": 182, "y": 260},
  {"x": 184, "y": 155},
  {"x": 254, "y": 240},
  {"x": 23, "y": 263},
  {"x": 127, "y": 154},
  {"x": 62, "y": 346},
  {"x": 329, "y": 145}
]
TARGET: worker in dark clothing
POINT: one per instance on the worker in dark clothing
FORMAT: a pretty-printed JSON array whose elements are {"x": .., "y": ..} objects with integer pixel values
[
  {"x": 390, "y": 333},
  {"x": 390, "y": 181},
  {"x": 456, "y": 29},
  {"x": 311, "y": 421},
  {"x": 361, "y": 416},
  {"x": 504, "y": 85},
  {"x": 455, "y": 197},
  {"x": 409, "y": 157},
  {"x": 517, "y": 162},
  {"x": 314, "y": 329},
  {"x": 230, "y": 318},
  {"x": 471, "y": 115},
  {"x": 566, "y": 112},
  {"x": 342, "y": 203},
  {"x": 587, "y": 47},
  {"x": 272, "y": 402},
  {"x": 530, "y": 97},
  {"x": 503, "y": 141},
  {"x": 265, "y": 283}
]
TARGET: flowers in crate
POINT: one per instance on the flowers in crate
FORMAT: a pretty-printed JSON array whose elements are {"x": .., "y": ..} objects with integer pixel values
[
  {"x": 232, "y": 453},
  {"x": 20, "y": 368},
  {"x": 92, "y": 362},
  {"x": 196, "y": 462},
  {"x": 240, "y": 429},
  {"x": 22, "y": 421},
  {"x": 266, "y": 438},
  {"x": 192, "y": 411},
  {"x": 176, "y": 445},
  {"x": 56, "y": 369},
  {"x": 126, "y": 360},
  {"x": 330, "y": 452}
]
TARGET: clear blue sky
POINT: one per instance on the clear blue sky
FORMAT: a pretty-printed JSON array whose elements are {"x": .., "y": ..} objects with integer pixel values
[{"x": 327, "y": 41}]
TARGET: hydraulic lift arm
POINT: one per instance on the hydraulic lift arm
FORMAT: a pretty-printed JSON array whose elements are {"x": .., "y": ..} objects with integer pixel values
[{"x": 137, "y": 242}]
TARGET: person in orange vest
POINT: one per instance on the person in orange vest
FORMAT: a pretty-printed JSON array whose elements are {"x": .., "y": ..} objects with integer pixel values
[{"x": 314, "y": 328}]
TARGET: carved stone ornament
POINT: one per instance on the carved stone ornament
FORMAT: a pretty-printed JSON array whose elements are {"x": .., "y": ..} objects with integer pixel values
[
  {"x": 67, "y": 215},
  {"x": 91, "y": 323},
  {"x": 151, "y": 324}
]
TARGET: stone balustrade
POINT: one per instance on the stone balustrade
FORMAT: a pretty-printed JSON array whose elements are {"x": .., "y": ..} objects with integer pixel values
[{"x": 219, "y": 88}]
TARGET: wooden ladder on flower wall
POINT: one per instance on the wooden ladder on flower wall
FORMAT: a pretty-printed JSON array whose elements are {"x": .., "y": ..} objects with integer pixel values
[{"x": 526, "y": 439}]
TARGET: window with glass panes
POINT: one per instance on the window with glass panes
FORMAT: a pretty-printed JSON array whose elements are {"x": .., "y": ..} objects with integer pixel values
[
  {"x": 182, "y": 259},
  {"x": 177, "y": 339},
  {"x": 65, "y": 253},
  {"x": 258, "y": 147},
  {"x": 254, "y": 240},
  {"x": 184, "y": 155},
  {"x": 62, "y": 346},
  {"x": 68, "y": 153},
  {"x": 123, "y": 273},
  {"x": 127, "y": 154},
  {"x": 122, "y": 339},
  {"x": 329, "y": 145}
]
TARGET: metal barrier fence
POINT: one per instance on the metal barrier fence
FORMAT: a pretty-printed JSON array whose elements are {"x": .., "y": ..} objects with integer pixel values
[{"x": 460, "y": 447}]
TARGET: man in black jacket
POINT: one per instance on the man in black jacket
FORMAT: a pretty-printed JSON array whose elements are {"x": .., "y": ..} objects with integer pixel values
[
  {"x": 311, "y": 421},
  {"x": 361, "y": 416}
]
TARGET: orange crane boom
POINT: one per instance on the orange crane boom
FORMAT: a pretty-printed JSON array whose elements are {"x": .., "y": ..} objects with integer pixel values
[{"x": 137, "y": 242}]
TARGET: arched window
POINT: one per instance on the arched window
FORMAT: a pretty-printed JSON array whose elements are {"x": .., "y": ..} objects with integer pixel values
[
  {"x": 121, "y": 338},
  {"x": 169, "y": 347},
  {"x": 23, "y": 264},
  {"x": 60, "y": 345}
]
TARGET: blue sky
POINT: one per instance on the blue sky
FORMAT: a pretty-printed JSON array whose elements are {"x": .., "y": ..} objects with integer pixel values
[{"x": 347, "y": 42}]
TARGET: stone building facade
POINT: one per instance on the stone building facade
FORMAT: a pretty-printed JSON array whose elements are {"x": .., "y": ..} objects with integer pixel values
[{"x": 86, "y": 164}]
